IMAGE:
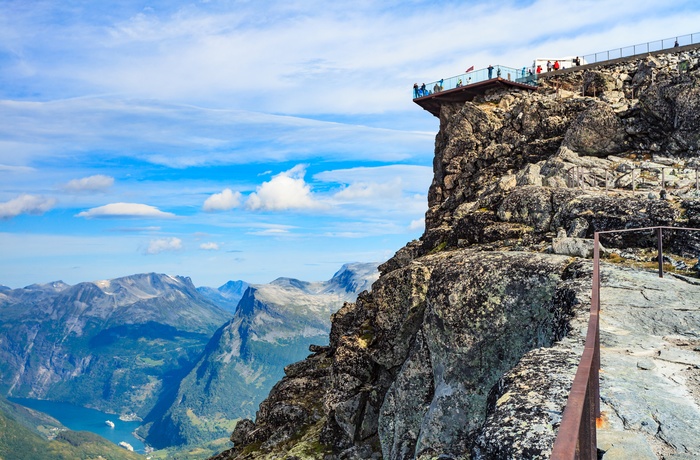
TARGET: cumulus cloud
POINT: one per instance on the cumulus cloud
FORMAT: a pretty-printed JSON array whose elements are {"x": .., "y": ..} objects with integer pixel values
[
  {"x": 286, "y": 190},
  {"x": 223, "y": 201},
  {"x": 25, "y": 204},
  {"x": 125, "y": 210},
  {"x": 159, "y": 245},
  {"x": 211, "y": 246},
  {"x": 94, "y": 183}
]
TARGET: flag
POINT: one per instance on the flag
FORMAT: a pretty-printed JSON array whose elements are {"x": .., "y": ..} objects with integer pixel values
[{"x": 470, "y": 69}]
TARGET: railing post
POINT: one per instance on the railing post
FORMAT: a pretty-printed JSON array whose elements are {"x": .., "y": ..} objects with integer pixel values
[
  {"x": 659, "y": 244},
  {"x": 663, "y": 178}
]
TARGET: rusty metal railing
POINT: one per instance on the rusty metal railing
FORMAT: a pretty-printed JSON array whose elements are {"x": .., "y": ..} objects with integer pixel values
[{"x": 576, "y": 438}]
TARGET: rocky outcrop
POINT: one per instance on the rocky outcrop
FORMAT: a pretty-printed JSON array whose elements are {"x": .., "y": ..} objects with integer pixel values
[{"x": 467, "y": 345}]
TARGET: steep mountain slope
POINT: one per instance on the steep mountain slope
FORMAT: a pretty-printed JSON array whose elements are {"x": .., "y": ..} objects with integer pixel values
[
  {"x": 112, "y": 345},
  {"x": 226, "y": 296},
  {"x": 274, "y": 326},
  {"x": 468, "y": 343},
  {"x": 30, "y": 435}
]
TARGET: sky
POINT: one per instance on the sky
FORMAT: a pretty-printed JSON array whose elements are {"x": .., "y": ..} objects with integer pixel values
[{"x": 247, "y": 140}]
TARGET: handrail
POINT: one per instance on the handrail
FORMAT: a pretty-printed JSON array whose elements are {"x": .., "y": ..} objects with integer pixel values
[
  {"x": 475, "y": 76},
  {"x": 642, "y": 48},
  {"x": 527, "y": 75},
  {"x": 576, "y": 438}
]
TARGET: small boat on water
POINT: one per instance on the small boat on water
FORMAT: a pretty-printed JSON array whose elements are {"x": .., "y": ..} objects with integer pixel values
[{"x": 109, "y": 423}]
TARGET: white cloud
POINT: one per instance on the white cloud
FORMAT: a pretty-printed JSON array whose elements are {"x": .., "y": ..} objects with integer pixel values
[
  {"x": 362, "y": 191},
  {"x": 271, "y": 232},
  {"x": 164, "y": 244},
  {"x": 223, "y": 201},
  {"x": 15, "y": 169},
  {"x": 285, "y": 191},
  {"x": 125, "y": 210},
  {"x": 211, "y": 246},
  {"x": 26, "y": 204},
  {"x": 94, "y": 183},
  {"x": 418, "y": 224}
]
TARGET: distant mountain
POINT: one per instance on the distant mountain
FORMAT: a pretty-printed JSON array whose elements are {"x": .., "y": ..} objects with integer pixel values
[
  {"x": 26, "y": 434},
  {"x": 274, "y": 325},
  {"x": 226, "y": 296},
  {"x": 115, "y": 345}
]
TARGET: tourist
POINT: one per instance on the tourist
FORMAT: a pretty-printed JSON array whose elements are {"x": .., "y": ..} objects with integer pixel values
[
  {"x": 556, "y": 65},
  {"x": 423, "y": 91},
  {"x": 675, "y": 44},
  {"x": 498, "y": 72},
  {"x": 577, "y": 61},
  {"x": 549, "y": 66},
  {"x": 415, "y": 91},
  {"x": 490, "y": 69},
  {"x": 459, "y": 83},
  {"x": 539, "y": 69}
]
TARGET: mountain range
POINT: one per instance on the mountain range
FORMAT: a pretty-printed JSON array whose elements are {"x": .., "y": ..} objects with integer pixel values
[
  {"x": 273, "y": 326},
  {"x": 152, "y": 347}
]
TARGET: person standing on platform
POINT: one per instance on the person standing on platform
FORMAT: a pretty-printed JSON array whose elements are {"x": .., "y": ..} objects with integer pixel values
[
  {"x": 549, "y": 66},
  {"x": 556, "y": 65},
  {"x": 490, "y": 69}
]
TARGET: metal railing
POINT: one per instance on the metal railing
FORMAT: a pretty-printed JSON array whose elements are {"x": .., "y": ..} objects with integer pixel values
[
  {"x": 576, "y": 438},
  {"x": 527, "y": 75},
  {"x": 469, "y": 78},
  {"x": 643, "y": 48},
  {"x": 599, "y": 178}
]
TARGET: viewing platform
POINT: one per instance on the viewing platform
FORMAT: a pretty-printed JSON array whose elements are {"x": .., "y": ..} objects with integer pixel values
[{"x": 466, "y": 86}]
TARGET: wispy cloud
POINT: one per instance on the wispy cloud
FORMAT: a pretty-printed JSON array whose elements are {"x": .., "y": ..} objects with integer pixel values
[
  {"x": 96, "y": 183},
  {"x": 125, "y": 210},
  {"x": 210, "y": 246},
  {"x": 26, "y": 204}
]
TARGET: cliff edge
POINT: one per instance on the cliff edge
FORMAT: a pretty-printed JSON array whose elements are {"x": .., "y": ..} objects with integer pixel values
[{"x": 467, "y": 345}]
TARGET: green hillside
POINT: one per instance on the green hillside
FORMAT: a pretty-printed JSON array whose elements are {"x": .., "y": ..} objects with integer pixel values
[{"x": 29, "y": 435}]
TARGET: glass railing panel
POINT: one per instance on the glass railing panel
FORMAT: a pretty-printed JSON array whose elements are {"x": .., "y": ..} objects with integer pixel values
[{"x": 469, "y": 78}]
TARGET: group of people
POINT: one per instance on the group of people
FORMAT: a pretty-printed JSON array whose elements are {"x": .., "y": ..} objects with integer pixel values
[{"x": 420, "y": 91}]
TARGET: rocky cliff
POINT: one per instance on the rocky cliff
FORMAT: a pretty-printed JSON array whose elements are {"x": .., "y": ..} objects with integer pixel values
[{"x": 467, "y": 345}]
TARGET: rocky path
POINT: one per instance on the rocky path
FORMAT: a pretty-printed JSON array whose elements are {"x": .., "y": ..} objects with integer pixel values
[{"x": 650, "y": 366}]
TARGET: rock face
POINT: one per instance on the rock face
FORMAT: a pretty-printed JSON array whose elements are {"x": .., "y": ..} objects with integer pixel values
[{"x": 468, "y": 343}]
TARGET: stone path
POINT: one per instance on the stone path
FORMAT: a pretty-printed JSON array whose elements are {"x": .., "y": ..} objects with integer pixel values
[{"x": 650, "y": 366}]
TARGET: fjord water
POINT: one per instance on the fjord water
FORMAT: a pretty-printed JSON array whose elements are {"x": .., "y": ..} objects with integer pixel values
[{"x": 81, "y": 419}]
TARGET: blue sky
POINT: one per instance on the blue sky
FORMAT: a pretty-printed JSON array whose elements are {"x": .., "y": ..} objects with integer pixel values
[{"x": 247, "y": 139}]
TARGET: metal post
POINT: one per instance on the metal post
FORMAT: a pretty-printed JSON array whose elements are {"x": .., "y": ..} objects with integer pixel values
[
  {"x": 659, "y": 244},
  {"x": 663, "y": 178}
]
